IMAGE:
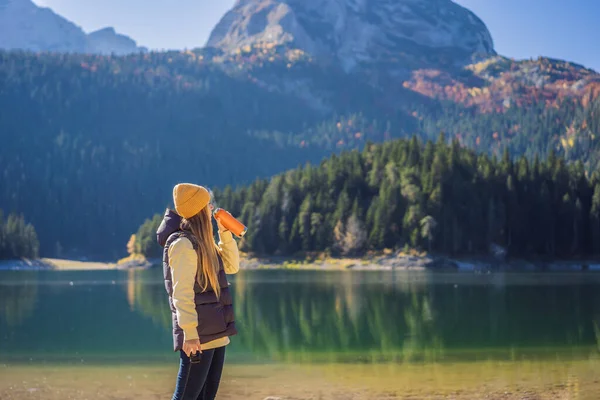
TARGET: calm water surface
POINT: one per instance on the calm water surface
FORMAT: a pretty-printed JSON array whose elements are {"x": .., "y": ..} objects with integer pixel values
[{"x": 285, "y": 317}]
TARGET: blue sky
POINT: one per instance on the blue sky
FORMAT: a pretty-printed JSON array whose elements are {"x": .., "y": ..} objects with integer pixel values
[{"x": 521, "y": 28}]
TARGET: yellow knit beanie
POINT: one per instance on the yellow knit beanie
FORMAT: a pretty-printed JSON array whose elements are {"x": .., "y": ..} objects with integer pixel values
[{"x": 190, "y": 199}]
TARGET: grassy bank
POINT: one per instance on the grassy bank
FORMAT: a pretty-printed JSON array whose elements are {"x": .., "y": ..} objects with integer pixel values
[
  {"x": 382, "y": 261},
  {"x": 72, "y": 265},
  {"x": 387, "y": 260}
]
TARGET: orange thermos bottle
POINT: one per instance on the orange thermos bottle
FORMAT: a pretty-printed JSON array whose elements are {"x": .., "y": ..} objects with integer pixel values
[{"x": 230, "y": 223}]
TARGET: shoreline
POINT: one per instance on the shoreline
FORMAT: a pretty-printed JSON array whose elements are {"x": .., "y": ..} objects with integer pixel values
[
  {"x": 54, "y": 264},
  {"x": 516, "y": 380},
  {"x": 398, "y": 261},
  {"x": 413, "y": 261}
]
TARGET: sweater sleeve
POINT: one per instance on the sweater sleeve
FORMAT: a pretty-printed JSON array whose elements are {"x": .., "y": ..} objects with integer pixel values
[
  {"x": 183, "y": 262},
  {"x": 229, "y": 252}
]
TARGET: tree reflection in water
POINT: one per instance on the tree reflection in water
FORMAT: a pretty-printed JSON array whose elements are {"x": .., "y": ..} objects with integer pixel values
[
  {"x": 18, "y": 296},
  {"x": 356, "y": 317},
  {"x": 148, "y": 297}
]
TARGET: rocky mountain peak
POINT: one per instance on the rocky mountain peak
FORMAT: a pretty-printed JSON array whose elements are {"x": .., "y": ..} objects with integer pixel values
[{"x": 411, "y": 33}]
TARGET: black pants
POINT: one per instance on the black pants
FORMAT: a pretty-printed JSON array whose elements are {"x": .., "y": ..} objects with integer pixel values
[{"x": 200, "y": 381}]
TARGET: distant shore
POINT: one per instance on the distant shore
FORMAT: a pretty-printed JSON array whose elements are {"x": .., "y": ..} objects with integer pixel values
[
  {"x": 400, "y": 261},
  {"x": 390, "y": 261},
  {"x": 55, "y": 264}
]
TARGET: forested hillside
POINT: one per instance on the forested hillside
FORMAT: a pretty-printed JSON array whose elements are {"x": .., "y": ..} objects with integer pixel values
[
  {"x": 434, "y": 196},
  {"x": 91, "y": 145}
]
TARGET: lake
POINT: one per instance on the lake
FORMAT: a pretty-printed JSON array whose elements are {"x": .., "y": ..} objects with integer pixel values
[{"x": 309, "y": 335}]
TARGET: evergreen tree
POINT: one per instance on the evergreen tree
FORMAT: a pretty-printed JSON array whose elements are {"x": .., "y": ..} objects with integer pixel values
[{"x": 18, "y": 239}]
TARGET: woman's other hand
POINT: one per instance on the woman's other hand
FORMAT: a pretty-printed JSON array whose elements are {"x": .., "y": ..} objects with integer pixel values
[{"x": 191, "y": 347}]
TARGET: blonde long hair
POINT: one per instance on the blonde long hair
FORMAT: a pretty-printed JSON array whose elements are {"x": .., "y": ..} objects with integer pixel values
[{"x": 208, "y": 263}]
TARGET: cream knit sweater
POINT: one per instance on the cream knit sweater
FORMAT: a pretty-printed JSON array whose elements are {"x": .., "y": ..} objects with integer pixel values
[{"x": 183, "y": 262}]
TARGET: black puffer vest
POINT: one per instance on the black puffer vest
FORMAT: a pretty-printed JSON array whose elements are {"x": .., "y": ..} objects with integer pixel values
[{"x": 215, "y": 316}]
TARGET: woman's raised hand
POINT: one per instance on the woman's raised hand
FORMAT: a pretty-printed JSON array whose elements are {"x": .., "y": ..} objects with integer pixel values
[{"x": 220, "y": 225}]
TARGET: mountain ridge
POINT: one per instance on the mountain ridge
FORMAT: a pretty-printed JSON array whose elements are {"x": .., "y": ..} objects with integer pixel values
[{"x": 26, "y": 26}]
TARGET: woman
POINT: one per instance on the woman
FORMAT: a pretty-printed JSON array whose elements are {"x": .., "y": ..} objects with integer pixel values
[{"x": 194, "y": 269}]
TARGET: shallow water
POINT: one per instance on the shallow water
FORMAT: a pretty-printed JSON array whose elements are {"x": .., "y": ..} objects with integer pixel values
[{"x": 307, "y": 335}]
